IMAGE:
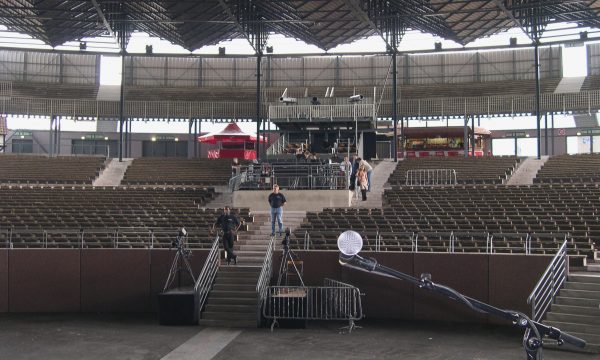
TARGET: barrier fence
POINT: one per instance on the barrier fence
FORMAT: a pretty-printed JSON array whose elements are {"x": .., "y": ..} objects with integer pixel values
[{"x": 332, "y": 301}]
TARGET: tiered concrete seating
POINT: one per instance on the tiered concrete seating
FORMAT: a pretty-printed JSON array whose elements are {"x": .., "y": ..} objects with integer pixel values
[
  {"x": 202, "y": 172},
  {"x": 108, "y": 217},
  {"x": 54, "y": 91},
  {"x": 570, "y": 168},
  {"x": 471, "y": 170},
  {"x": 547, "y": 212},
  {"x": 32, "y": 169}
]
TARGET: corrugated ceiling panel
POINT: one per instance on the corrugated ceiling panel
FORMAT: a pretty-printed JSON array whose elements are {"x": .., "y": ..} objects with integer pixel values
[
  {"x": 356, "y": 71},
  {"x": 496, "y": 65},
  {"x": 459, "y": 67},
  {"x": 11, "y": 65},
  {"x": 246, "y": 72},
  {"x": 594, "y": 59},
  {"x": 551, "y": 62},
  {"x": 218, "y": 72},
  {"x": 43, "y": 67},
  {"x": 382, "y": 67},
  {"x": 148, "y": 71},
  {"x": 524, "y": 64},
  {"x": 287, "y": 72},
  {"x": 183, "y": 72},
  {"x": 320, "y": 71},
  {"x": 79, "y": 69},
  {"x": 425, "y": 69}
]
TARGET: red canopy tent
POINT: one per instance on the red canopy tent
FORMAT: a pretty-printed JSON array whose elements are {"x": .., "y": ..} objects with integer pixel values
[{"x": 231, "y": 142}]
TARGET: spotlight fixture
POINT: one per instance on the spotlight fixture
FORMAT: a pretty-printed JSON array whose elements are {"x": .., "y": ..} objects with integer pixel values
[
  {"x": 513, "y": 41},
  {"x": 438, "y": 46},
  {"x": 153, "y": 138},
  {"x": 221, "y": 51},
  {"x": 82, "y": 45},
  {"x": 149, "y": 49},
  {"x": 583, "y": 35},
  {"x": 269, "y": 49}
]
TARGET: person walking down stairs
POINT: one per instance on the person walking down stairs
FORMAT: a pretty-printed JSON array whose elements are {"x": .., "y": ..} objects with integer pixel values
[{"x": 230, "y": 224}]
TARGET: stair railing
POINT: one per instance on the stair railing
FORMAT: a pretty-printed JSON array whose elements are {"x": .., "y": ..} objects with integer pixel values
[
  {"x": 207, "y": 275},
  {"x": 549, "y": 284},
  {"x": 264, "y": 279}
]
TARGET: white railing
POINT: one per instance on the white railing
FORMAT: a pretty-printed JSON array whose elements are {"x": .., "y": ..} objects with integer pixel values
[
  {"x": 430, "y": 177},
  {"x": 207, "y": 275},
  {"x": 549, "y": 284},
  {"x": 319, "y": 112}
]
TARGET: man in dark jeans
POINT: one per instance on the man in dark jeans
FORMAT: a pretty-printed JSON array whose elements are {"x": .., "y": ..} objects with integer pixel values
[
  {"x": 276, "y": 201},
  {"x": 230, "y": 224}
]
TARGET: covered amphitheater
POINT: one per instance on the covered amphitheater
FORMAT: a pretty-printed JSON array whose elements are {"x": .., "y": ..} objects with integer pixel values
[{"x": 478, "y": 238}]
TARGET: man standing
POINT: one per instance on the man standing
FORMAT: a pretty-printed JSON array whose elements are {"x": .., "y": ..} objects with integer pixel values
[
  {"x": 276, "y": 201},
  {"x": 230, "y": 224}
]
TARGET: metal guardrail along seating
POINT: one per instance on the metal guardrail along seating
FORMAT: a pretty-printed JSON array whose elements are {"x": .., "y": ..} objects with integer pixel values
[
  {"x": 549, "y": 284},
  {"x": 333, "y": 301},
  {"x": 207, "y": 275},
  {"x": 430, "y": 177}
]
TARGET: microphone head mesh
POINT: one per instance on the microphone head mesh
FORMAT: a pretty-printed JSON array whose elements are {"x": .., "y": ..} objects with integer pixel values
[{"x": 350, "y": 242}]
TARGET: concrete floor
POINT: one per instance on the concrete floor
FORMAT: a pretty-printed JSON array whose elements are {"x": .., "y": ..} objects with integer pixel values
[{"x": 140, "y": 337}]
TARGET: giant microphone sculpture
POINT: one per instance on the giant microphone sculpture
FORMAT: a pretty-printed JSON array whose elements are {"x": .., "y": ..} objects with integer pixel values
[{"x": 350, "y": 243}]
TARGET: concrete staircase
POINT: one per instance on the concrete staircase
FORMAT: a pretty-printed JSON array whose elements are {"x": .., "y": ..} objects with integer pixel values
[
  {"x": 576, "y": 310},
  {"x": 232, "y": 301},
  {"x": 113, "y": 173},
  {"x": 527, "y": 171},
  {"x": 381, "y": 174}
]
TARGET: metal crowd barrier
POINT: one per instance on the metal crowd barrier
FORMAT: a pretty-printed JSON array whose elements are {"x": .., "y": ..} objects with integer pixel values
[
  {"x": 430, "y": 177},
  {"x": 332, "y": 301}
]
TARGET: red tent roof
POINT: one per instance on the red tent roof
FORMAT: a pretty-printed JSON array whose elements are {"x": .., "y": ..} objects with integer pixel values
[{"x": 231, "y": 134}]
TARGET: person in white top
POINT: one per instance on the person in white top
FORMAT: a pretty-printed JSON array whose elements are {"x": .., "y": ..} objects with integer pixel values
[{"x": 369, "y": 169}]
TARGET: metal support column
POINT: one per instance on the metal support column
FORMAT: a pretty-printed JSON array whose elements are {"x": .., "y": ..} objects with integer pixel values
[
  {"x": 122, "y": 102},
  {"x": 395, "y": 103},
  {"x": 466, "y": 137},
  {"x": 50, "y": 147},
  {"x": 552, "y": 131},
  {"x": 258, "y": 100},
  {"x": 473, "y": 135},
  {"x": 536, "y": 50},
  {"x": 546, "y": 134},
  {"x": 191, "y": 142}
]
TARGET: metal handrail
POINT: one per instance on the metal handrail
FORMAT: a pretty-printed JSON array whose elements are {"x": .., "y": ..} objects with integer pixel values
[
  {"x": 550, "y": 282},
  {"x": 266, "y": 273},
  {"x": 207, "y": 275}
]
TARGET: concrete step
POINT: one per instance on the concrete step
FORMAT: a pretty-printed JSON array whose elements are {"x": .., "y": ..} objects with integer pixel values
[
  {"x": 585, "y": 278},
  {"x": 228, "y": 323},
  {"x": 574, "y": 319},
  {"x": 253, "y": 247},
  {"x": 236, "y": 294},
  {"x": 562, "y": 300},
  {"x": 583, "y": 294},
  {"x": 233, "y": 280},
  {"x": 239, "y": 269},
  {"x": 250, "y": 253},
  {"x": 576, "y": 310},
  {"x": 593, "y": 268},
  {"x": 247, "y": 309},
  {"x": 581, "y": 286},
  {"x": 213, "y": 315},
  {"x": 212, "y": 300},
  {"x": 574, "y": 327},
  {"x": 235, "y": 287}
]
